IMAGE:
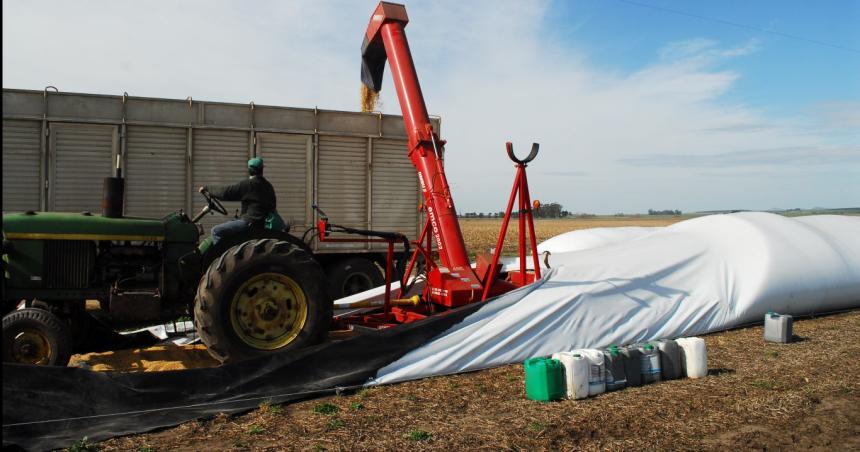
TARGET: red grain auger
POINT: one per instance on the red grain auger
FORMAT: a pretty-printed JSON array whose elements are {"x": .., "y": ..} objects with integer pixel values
[{"x": 452, "y": 281}]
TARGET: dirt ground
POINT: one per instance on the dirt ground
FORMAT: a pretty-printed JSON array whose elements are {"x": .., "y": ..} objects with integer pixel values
[{"x": 757, "y": 396}]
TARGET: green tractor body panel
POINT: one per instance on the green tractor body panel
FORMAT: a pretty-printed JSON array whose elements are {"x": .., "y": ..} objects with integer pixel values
[
  {"x": 76, "y": 226},
  {"x": 42, "y": 244},
  {"x": 177, "y": 228},
  {"x": 26, "y": 269}
]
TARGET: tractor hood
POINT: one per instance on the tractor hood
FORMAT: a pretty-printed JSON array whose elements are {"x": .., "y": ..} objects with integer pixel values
[{"x": 81, "y": 226}]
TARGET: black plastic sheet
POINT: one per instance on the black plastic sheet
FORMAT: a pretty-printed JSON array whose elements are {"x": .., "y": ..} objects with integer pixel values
[{"x": 52, "y": 407}]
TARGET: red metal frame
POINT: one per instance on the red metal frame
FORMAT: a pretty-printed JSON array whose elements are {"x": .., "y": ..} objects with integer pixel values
[
  {"x": 390, "y": 315},
  {"x": 387, "y": 24},
  {"x": 519, "y": 191}
]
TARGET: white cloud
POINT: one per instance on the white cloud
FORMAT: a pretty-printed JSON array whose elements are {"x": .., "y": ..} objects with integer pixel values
[
  {"x": 768, "y": 158},
  {"x": 489, "y": 68},
  {"x": 706, "y": 50},
  {"x": 837, "y": 115}
]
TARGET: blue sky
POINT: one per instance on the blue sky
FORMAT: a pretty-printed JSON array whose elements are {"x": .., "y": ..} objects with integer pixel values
[
  {"x": 785, "y": 73},
  {"x": 635, "y": 107}
]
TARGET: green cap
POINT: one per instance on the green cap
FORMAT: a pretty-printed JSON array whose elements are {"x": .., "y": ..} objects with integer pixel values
[
  {"x": 648, "y": 347},
  {"x": 255, "y": 163}
]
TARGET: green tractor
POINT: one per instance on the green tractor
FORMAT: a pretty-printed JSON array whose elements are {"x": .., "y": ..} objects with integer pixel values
[{"x": 256, "y": 293}]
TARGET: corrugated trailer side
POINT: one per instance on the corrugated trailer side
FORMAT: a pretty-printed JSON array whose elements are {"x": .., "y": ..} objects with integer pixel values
[
  {"x": 57, "y": 146},
  {"x": 22, "y": 167}
]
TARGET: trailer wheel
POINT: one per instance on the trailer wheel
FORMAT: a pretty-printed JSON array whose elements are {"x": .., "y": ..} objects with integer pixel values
[
  {"x": 351, "y": 276},
  {"x": 36, "y": 336},
  {"x": 259, "y": 297}
]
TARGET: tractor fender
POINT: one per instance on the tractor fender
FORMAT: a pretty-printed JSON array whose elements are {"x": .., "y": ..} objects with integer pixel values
[
  {"x": 194, "y": 264},
  {"x": 212, "y": 252}
]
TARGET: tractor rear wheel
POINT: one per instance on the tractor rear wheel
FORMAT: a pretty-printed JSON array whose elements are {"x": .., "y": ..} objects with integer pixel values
[
  {"x": 259, "y": 297},
  {"x": 36, "y": 336}
]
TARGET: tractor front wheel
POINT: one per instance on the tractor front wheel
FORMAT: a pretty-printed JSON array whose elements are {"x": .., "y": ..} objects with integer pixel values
[
  {"x": 36, "y": 336},
  {"x": 259, "y": 297}
]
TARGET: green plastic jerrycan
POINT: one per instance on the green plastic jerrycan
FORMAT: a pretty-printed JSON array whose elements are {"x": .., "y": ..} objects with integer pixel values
[{"x": 544, "y": 379}]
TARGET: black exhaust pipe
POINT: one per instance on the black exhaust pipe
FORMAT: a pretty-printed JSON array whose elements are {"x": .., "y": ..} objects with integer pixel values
[{"x": 112, "y": 197}]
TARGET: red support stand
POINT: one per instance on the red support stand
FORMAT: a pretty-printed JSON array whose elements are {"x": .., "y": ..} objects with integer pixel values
[{"x": 520, "y": 191}]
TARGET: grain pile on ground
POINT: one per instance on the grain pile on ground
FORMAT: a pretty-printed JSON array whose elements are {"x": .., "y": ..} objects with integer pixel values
[
  {"x": 151, "y": 359},
  {"x": 757, "y": 396}
]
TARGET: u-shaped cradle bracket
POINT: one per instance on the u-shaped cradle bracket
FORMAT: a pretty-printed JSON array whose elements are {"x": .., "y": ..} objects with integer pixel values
[{"x": 531, "y": 156}]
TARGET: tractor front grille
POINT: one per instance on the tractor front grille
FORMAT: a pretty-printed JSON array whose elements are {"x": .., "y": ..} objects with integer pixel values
[{"x": 68, "y": 264}]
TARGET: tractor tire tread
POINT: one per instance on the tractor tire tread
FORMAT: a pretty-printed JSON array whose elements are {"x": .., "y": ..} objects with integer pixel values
[
  {"x": 46, "y": 321},
  {"x": 209, "y": 306}
]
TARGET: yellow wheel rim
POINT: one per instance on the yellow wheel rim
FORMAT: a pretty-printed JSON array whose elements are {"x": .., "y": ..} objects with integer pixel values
[
  {"x": 268, "y": 311},
  {"x": 31, "y": 346}
]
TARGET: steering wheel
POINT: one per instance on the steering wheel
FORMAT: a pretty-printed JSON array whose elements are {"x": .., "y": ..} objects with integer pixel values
[{"x": 213, "y": 202}]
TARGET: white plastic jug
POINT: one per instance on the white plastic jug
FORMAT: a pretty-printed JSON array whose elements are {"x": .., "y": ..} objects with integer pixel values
[
  {"x": 597, "y": 373},
  {"x": 777, "y": 328},
  {"x": 694, "y": 356},
  {"x": 576, "y": 371}
]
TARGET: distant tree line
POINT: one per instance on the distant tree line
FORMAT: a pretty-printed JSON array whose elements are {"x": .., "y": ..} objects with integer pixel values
[
  {"x": 663, "y": 212},
  {"x": 556, "y": 210},
  {"x": 478, "y": 215},
  {"x": 549, "y": 210}
]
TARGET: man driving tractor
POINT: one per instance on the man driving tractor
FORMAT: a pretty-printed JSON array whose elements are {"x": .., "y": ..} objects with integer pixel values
[{"x": 258, "y": 203}]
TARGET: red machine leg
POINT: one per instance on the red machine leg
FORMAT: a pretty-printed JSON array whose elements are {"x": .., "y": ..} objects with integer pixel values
[
  {"x": 531, "y": 223},
  {"x": 522, "y": 222},
  {"x": 500, "y": 241}
]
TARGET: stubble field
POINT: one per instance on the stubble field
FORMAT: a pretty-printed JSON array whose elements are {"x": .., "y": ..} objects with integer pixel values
[
  {"x": 757, "y": 396},
  {"x": 480, "y": 234}
]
